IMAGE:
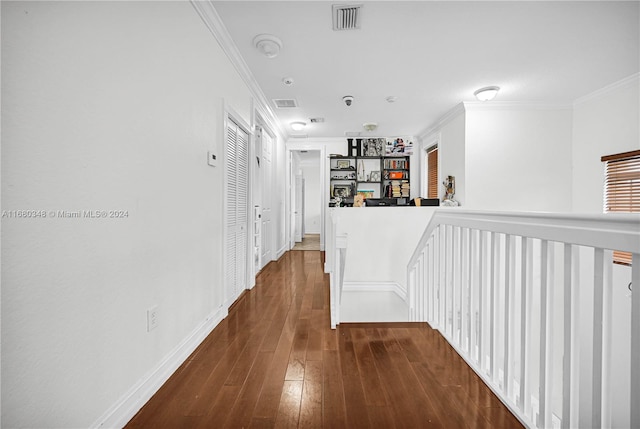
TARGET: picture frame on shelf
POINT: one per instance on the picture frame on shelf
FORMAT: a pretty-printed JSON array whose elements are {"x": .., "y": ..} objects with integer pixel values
[
  {"x": 374, "y": 176},
  {"x": 374, "y": 146},
  {"x": 341, "y": 191},
  {"x": 343, "y": 164}
]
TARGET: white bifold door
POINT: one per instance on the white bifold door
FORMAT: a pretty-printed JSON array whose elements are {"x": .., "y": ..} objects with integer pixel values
[{"x": 236, "y": 211}]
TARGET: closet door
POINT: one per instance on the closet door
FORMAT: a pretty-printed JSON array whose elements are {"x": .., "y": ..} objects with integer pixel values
[{"x": 236, "y": 216}]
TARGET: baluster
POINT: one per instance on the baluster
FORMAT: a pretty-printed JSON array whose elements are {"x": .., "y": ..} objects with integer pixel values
[
  {"x": 429, "y": 280},
  {"x": 508, "y": 283},
  {"x": 523, "y": 321},
  {"x": 544, "y": 333},
  {"x": 568, "y": 335},
  {"x": 470, "y": 289},
  {"x": 461, "y": 253},
  {"x": 635, "y": 342},
  {"x": 598, "y": 296},
  {"x": 492, "y": 303},
  {"x": 473, "y": 281},
  {"x": 482, "y": 281}
]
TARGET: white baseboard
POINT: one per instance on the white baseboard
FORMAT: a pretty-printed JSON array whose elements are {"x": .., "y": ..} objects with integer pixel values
[
  {"x": 376, "y": 287},
  {"x": 119, "y": 414}
]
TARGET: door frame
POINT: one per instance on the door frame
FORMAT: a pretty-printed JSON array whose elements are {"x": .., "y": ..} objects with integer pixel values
[{"x": 324, "y": 200}]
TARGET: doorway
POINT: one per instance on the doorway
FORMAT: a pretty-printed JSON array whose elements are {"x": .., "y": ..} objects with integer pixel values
[{"x": 307, "y": 199}]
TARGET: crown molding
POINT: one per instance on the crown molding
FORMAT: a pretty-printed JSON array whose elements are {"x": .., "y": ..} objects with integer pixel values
[
  {"x": 514, "y": 105},
  {"x": 212, "y": 20},
  {"x": 444, "y": 120},
  {"x": 608, "y": 89}
]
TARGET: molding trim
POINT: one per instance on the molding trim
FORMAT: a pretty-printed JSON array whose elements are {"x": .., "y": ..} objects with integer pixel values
[
  {"x": 376, "y": 287},
  {"x": 444, "y": 120},
  {"x": 514, "y": 105},
  {"x": 281, "y": 251},
  {"x": 120, "y": 413},
  {"x": 212, "y": 20},
  {"x": 608, "y": 89}
]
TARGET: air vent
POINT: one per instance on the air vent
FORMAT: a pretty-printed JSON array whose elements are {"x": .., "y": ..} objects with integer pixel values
[
  {"x": 346, "y": 16},
  {"x": 316, "y": 120},
  {"x": 285, "y": 104}
]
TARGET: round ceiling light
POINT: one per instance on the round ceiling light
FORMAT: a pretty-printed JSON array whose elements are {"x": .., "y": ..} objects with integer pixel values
[
  {"x": 487, "y": 93},
  {"x": 370, "y": 126},
  {"x": 298, "y": 126},
  {"x": 268, "y": 45}
]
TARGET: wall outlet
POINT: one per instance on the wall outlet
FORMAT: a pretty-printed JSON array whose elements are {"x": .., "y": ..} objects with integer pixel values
[{"x": 152, "y": 318}]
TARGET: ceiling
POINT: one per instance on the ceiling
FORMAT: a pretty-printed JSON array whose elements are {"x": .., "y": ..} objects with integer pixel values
[{"x": 430, "y": 55}]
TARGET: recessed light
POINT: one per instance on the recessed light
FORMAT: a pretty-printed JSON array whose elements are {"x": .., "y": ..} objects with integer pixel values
[{"x": 287, "y": 81}]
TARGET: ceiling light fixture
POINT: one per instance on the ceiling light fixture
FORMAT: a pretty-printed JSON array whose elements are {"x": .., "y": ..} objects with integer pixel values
[
  {"x": 268, "y": 45},
  {"x": 487, "y": 93},
  {"x": 370, "y": 126},
  {"x": 298, "y": 126}
]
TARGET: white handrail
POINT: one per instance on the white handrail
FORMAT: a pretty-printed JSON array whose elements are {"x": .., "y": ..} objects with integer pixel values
[{"x": 502, "y": 286}]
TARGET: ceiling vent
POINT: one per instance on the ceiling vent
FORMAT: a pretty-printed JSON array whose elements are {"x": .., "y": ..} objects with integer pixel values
[
  {"x": 282, "y": 103},
  {"x": 346, "y": 16}
]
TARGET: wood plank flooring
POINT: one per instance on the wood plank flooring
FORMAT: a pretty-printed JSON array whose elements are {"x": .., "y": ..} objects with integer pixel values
[{"x": 274, "y": 362}]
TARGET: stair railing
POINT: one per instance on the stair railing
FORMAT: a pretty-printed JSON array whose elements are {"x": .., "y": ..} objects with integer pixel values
[{"x": 507, "y": 291}]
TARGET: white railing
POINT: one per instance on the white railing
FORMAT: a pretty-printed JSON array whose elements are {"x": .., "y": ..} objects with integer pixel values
[
  {"x": 336, "y": 252},
  {"x": 527, "y": 300}
]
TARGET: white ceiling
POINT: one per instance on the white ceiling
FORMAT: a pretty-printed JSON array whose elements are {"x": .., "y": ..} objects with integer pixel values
[{"x": 432, "y": 56}]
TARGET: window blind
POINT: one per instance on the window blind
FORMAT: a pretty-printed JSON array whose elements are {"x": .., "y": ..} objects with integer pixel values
[
  {"x": 622, "y": 189},
  {"x": 432, "y": 174}
]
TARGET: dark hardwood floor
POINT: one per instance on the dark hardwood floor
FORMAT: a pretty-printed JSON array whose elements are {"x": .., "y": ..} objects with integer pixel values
[{"x": 275, "y": 362}]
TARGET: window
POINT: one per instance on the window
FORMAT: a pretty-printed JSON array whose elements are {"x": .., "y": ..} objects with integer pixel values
[
  {"x": 622, "y": 189},
  {"x": 432, "y": 172}
]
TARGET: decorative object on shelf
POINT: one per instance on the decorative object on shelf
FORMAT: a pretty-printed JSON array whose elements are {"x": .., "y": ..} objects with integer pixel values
[
  {"x": 399, "y": 147},
  {"x": 375, "y": 176},
  {"x": 343, "y": 164},
  {"x": 373, "y": 147},
  {"x": 342, "y": 191},
  {"x": 449, "y": 191},
  {"x": 365, "y": 193},
  {"x": 358, "y": 200},
  {"x": 360, "y": 170}
]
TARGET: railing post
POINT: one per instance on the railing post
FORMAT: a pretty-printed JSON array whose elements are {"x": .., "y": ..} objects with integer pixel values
[{"x": 542, "y": 390}]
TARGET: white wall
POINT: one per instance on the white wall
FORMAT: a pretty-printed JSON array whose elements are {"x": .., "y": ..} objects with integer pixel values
[
  {"x": 518, "y": 158},
  {"x": 604, "y": 123},
  {"x": 312, "y": 196},
  {"x": 106, "y": 106},
  {"x": 380, "y": 241}
]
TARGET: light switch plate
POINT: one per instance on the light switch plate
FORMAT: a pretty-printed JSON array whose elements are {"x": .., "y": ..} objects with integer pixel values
[{"x": 212, "y": 159}]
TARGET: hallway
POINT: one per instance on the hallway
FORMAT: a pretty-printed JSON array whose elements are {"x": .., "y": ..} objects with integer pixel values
[{"x": 274, "y": 362}]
